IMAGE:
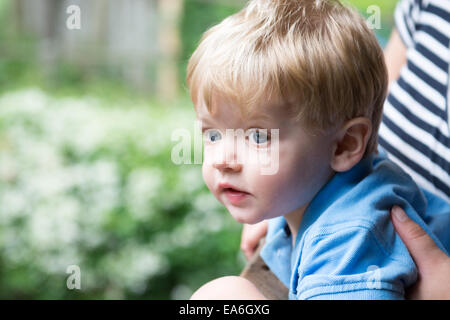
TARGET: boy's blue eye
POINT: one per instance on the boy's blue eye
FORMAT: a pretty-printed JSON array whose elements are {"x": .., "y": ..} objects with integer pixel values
[
  {"x": 258, "y": 136},
  {"x": 213, "y": 135}
]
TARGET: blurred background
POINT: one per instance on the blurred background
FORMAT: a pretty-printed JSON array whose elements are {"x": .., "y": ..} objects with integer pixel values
[{"x": 87, "y": 109}]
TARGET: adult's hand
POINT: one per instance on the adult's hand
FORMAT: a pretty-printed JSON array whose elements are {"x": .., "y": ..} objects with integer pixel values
[
  {"x": 433, "y": 264},
  {"x": 251, "y": 234}
]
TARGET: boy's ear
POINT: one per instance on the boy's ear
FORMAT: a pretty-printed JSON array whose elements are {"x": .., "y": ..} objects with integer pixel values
[{"x": 350, "y": 144}]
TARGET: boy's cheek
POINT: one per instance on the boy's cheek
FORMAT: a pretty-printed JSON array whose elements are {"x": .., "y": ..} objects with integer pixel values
[{"x": 208, "y": 177}]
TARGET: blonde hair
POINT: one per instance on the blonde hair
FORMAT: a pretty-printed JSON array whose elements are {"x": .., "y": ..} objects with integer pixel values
[{"x": 317, "y": 56}]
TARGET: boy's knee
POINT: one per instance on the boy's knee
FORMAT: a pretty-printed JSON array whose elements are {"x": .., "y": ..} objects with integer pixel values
[
  {"x": 216, "y": 289},
  {"x": 227, "y": 288}
]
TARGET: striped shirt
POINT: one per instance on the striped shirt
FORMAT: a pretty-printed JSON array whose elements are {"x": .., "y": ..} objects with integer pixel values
[{"x": 416, "y": 117}]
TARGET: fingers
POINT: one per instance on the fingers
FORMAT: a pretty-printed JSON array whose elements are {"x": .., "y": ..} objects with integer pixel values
[
  {"x": 251, "y": 235},
  {"x": 420, "y": 245},
  {"x": 247, "y": 244}
]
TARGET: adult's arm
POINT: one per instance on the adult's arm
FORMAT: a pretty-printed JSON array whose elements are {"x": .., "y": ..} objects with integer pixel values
[{"x": 395, "y": 55}]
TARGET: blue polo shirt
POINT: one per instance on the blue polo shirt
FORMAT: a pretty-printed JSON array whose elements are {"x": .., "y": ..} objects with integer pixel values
[{"x": 346, "y": 246}]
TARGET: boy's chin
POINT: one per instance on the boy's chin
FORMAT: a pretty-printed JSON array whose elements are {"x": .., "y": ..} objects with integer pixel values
[{"x": 245, "y": 217}]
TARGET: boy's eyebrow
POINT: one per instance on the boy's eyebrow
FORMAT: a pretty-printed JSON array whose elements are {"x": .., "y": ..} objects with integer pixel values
[
  {"x": 203, "y": 120},
  {"x": 257, "y": 120},
  {"x": 261, "y": 116}
]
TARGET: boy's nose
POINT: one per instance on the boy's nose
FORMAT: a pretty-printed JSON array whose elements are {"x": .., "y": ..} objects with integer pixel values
[
  {"x": 227, "y": 158},
  {"x": 227, "y": 165}
]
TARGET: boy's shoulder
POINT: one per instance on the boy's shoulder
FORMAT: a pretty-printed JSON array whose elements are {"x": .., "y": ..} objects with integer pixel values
[
  {"x": 361, "y": 199},
  {"x": 363, "y": 196},
  {"x": 346, "y": 237}
]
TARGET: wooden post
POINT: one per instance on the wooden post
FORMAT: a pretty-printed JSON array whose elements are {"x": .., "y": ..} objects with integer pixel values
[
  {"x": 260, "y": 275},
  {"x": 169, "y": 12}
]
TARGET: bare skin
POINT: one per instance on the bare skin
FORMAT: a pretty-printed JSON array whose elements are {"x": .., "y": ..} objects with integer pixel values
[{"x": 228, "y": 288}]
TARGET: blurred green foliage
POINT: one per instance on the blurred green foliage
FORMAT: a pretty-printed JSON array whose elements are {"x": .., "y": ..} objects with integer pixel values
[
  {"x": 198, "y": 16},
  {"x": 86, "y": 178},
  {"x": 89, "y": 183}
]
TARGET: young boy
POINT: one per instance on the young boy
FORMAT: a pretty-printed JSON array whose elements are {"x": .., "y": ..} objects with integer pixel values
[{"x": 312, "y": 72}]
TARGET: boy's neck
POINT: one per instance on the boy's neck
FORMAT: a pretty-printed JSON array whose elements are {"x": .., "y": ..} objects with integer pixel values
[
  {"x": 295, "y": 217},
  {"x": 293, "y": 220}
]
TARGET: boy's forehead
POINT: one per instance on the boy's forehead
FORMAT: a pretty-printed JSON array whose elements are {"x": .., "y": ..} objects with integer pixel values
[{"x": 264, "y": 111}]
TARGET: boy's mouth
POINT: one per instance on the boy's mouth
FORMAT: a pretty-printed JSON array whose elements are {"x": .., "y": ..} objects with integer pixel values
[
  {"x": 230, "y": 188},
  {"x": 233, "y": 194},
  {"x": 233, "y": 191}
]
